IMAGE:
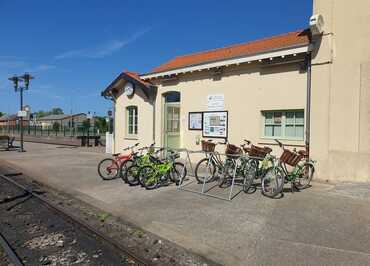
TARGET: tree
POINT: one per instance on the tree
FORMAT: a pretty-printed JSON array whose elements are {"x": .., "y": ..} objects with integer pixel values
[
  {"x": 86, "y": 124},
  {"x": 41, "y": 113},
  {"x": 56, "y": 126},
  {"x": 57, "y": 111},
  {"x": 53, "y": 111},
  {"x": 101, "y": 124},
  {"x": 2, "y": 114}
]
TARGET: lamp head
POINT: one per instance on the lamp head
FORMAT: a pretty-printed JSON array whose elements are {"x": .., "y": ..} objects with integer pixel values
[
  {"x": 15, "y": 81},
  {"x": 26, "y": 78}
]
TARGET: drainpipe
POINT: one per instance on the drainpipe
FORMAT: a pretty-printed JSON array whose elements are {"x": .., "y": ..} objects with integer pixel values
[
  {"x": 154, "y": 97},
  {"x": 308, "y": 103},
  {"x": 114, "y": 126},
  {"x": 153, "y": 103}
]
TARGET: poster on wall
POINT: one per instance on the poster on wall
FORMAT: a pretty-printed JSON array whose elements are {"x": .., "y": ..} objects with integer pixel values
[
  {"x": 215, "y": 102},
  {"x": 195, "y": 120},
  {"x": 215, "y": 124}
]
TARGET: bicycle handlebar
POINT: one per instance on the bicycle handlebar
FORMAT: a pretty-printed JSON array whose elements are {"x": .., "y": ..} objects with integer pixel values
[
  {"x": 146, "y": 147},
  {"x": 131, "y": 147},
  {"x": 280, "y": 144}
]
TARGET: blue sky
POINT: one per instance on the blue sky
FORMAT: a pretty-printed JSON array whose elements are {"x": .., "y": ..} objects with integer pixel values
[{"x": 75, "y": 48}]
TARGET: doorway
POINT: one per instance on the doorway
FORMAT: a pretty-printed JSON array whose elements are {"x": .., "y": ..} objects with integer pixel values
[{"x": 172, "y": 120}]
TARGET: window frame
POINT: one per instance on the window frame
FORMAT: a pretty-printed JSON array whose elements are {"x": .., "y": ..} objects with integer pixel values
[
  {"x": 135, "y": 126},
  {"x": 284, "y": 124}
]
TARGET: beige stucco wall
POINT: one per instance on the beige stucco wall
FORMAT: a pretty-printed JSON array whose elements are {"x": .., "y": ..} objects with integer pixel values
[
  {"x": 145, "y": 120},
  {"x": 248, "y": 89},
  {"x": 340, "y": 91}
]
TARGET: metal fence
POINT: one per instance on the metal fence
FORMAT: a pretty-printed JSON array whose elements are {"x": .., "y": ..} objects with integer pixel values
[{"x": 39, "y": 131}]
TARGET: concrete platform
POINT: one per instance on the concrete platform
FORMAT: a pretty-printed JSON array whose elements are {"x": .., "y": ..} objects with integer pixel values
[{"x": 328, "y": 224}]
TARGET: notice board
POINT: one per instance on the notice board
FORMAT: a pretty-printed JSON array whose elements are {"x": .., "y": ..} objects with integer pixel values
[{"x": 215, "y": 124}]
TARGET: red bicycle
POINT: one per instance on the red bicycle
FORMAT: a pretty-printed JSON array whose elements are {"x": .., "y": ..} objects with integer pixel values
[{"x": 109, "y": 168}]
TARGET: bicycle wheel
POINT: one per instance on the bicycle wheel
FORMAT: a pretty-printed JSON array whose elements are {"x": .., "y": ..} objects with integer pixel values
[
  {"x": 305, "y": 176},
  {"x": 124, "y": 166},
  {"x": 108, "y": 169},
  {"x": 273, "y": 182},
  {"x": 131, "y": 175},
  {"x": 178, "y": 172},
  {"x": 227, "y": 175},
  {"x": 205, "y": 171},
  {"x": 250, "y": 172},
  {"x": 148, "y": 176}
]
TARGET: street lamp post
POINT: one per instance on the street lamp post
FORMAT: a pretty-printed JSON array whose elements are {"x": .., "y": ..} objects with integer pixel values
[{"x": 16, "y": 82}]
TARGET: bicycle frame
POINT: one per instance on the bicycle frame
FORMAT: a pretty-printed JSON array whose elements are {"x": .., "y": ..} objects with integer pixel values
[
  {"x": 293, "y": 174},
  {"x": 215, "y": 159},
  {"x": 120, "y": 159},
  {"x": 160, "y": 170}
]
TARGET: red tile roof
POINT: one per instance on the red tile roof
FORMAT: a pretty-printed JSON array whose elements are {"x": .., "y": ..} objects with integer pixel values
[
  {"x": 126, "y": 75},
  {"x": 136, "y": 76},
  {"x": 288, "y": 40}
]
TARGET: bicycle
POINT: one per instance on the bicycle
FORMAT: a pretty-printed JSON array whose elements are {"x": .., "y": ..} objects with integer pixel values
[
  {"x": 300, "y": 175},
  {"x": 260, "y": 160},
  {"x": 245, "y": 166},
  {"x": 162, "y": 172},
  {"x": 212, "y": 166},
  {"x": 131, "y": 175},
  {"x": 236, "y": 164},
  {"x": 109, "y": 168}
]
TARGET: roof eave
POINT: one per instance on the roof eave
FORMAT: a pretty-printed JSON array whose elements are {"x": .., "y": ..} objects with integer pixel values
[
  {"x": 107, "y": 93},
  {"x": 296, "y": 49}
]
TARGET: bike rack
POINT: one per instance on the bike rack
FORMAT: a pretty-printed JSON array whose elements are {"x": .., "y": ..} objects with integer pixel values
[
  {"x": 184, "y": 186},
  {"x": 204, "y": 190}
]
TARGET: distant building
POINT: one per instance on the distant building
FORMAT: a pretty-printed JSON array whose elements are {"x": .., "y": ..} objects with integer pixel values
[
  {"x": 63, "y": 120},
  {"x": 11, "y": 121}
]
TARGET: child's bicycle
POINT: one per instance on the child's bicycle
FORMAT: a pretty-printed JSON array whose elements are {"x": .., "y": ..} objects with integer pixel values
[
  {"x": 140, "y": 158},
  {"x": 163, "y": 172},
  {"x": 110, "y": 168},
  {"x": 292, "y": 166}
]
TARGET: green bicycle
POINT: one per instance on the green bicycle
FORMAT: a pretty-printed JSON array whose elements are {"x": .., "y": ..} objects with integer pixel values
[
  {"x": 294, "y": 167},
  {"x": 139, "y": 161},
  {"x": 163, "y": 172}
]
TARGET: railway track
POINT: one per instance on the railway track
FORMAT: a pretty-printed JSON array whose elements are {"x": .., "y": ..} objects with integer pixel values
[{"x": 77, "y": 224}]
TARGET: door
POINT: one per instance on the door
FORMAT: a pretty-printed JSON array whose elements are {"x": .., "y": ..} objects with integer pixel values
[{"x": 172, "y": 125}]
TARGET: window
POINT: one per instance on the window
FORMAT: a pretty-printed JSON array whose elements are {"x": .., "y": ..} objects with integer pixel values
[
  {"x": 131, "y": 120},
  {"x": 284, "y": 124},
  {"x": 173, "y": 119}
]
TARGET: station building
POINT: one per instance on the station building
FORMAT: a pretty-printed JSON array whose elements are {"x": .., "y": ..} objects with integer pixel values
[{"x": 309, "y": 88}]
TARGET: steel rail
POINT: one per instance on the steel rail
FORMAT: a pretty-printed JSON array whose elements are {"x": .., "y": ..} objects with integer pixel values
[
  {"x": 10, "y": 251},
  {"x": 81, "y": 223}
]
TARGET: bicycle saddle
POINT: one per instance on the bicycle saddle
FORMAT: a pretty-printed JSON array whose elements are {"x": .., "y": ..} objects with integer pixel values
[{"x": 116, "y": 154}]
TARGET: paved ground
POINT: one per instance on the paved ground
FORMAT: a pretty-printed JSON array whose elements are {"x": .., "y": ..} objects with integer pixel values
[{"x": 325, "y": 225}]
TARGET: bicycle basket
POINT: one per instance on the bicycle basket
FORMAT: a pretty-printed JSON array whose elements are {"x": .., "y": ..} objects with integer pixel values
[
  {"x": 256, "y": 151},
  {"x": 208, "y": 146},
  {"x": 232, "y": 150},
  {"x": 290, "y": 158}
]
